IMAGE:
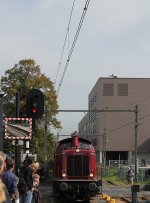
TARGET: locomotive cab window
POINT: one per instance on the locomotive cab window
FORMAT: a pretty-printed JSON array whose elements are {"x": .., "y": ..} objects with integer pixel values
[
  {"x": 84, "y": 145},
  {"x": 66, "y": 145}
]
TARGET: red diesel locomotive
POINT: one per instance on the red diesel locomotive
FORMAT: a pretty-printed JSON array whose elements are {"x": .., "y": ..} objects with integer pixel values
[{"x": 75, "y": 172}]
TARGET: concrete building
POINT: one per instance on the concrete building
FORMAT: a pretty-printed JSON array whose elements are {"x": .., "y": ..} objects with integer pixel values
[{"x": 113, "y": 133}]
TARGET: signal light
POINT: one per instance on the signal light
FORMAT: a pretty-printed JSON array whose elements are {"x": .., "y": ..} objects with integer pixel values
[
  {"x": 34, "y": 110},
  {"x": 35, "y": 104}
]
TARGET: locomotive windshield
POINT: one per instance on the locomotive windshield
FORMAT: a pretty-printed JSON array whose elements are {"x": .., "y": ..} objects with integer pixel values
[
  {"x": 66, "y": 145},
  {"x": 82, "y": 145}
]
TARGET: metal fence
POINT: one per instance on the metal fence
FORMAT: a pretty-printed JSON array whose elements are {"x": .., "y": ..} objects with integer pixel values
[
  {"x": 120, "y": 168},
  {"x": 142, "y": 175}
]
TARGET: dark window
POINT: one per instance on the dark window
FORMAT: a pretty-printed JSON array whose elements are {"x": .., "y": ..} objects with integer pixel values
[
  {"x": 108, "y": 89},
  {"x": 93, "y": 101},
  {"x": 65, "y": 146},
  {"x": 84, "y": 145},
  {"x": 122, "y": 89}
]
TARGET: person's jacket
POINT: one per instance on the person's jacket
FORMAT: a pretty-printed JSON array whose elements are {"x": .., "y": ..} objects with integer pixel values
[
  {"x": 10, "y": 180},
  {"x": 27, "y": 174}
]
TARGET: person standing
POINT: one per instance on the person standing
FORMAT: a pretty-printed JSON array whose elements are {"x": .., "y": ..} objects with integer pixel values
[
  {"x": 36, "y": 181},
  {"x": 26, "y": 172},
  {"x": 130, "y": 176},
  {"x": 11, "y": 181},
  {"x": 4, "y": 195},
  {"x": 3, "y": 156}
]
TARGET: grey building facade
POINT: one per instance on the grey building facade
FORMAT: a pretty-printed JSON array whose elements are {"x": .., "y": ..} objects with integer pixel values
[{"x": 111, "y": 132}]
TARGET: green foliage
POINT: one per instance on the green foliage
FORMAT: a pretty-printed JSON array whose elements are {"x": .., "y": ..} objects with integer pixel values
[
  {"x": 37, "y": 144},
  {"x": 23, "y": 77},
  {"x": 113, "y": 171}
]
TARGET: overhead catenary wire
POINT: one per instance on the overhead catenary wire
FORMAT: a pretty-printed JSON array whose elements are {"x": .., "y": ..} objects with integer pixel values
[
  {"x": 67, "y": 35},
  {"x": 74, "y": 42}
]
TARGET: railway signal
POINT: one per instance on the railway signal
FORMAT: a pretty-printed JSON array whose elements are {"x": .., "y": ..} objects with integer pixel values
[{"x": 35, "y": 104}]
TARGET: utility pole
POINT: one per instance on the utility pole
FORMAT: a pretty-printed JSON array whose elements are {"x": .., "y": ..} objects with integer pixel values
[
  {"x": 45, "y": 143},
  {"x": 104, "y": 150},
  {"x": 1, "y": 116},
  {"x": 136, "y": 131},
  {"x": 16, "y": 141},
  {"x": 57, "y": 137}
]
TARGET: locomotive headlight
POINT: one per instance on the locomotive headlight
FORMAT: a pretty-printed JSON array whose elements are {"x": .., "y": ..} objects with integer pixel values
[
  {"x": 91, "y": 174},
  {"x": 77, "y": 150},
  {"x": 63, "y": 175}
]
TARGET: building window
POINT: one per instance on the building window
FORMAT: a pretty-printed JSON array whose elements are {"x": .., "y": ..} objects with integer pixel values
[
  {"x": 108, "y": 89},
  {"x": 93, "y": 101},
  {"x": 122, "y": 89}
]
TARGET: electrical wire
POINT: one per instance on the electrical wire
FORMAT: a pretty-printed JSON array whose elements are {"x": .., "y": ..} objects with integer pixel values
[
  {"x": 67, "y": 33},
  {"x": 74, "y": 42},
  {"x": 129, "y": 123}
]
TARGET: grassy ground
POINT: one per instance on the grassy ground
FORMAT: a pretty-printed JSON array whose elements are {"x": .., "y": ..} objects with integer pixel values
[
  {"x": 112, "y": 176},
  {"x": 122, "y": 182}
]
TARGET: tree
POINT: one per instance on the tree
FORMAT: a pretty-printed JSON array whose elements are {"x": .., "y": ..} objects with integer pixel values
[{"x": 23, "y": 77}]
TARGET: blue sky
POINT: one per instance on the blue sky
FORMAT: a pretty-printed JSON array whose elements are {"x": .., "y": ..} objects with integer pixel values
[{"x": 114, "y": 39}]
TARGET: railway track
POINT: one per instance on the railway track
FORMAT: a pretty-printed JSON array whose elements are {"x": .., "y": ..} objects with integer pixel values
[
  {"x": 119, "y": 196},
  {"x": 123, "y": 194},
  {"x": 140, "y": 199}
]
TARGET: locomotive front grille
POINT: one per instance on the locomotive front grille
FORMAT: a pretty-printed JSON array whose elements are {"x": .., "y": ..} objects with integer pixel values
[{"x": 77, "y": 165}]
